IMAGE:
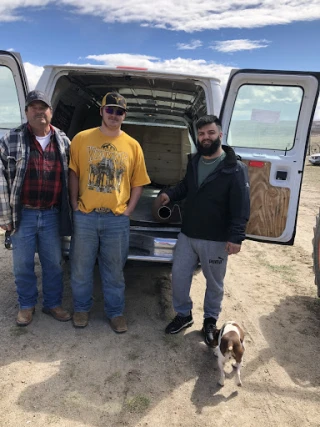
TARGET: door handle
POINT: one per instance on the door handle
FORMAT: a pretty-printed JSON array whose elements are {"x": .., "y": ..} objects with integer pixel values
[{"x": 281, "y": 175}]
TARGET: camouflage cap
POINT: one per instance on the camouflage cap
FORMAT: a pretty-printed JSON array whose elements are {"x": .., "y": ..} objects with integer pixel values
[{"x": 114, "y": 99}]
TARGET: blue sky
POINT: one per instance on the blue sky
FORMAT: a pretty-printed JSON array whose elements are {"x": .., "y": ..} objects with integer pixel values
[{"x": 207, "y": 37}]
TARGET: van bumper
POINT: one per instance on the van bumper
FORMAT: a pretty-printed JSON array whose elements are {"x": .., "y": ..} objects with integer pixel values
[{"x": 141, "y": 248}]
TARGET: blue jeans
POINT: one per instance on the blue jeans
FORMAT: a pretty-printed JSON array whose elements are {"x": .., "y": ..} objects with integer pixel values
[
  {"x": 38, "y": 230},
  {"x": 104, "y": 236}
]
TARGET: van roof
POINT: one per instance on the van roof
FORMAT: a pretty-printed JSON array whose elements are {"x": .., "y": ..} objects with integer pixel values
[{"x": 129, "y": 70}]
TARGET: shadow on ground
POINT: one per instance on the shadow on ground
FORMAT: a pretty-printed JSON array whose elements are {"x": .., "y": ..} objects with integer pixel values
[
  {"x": 95, "y": 376},
  {"x": 99, "y": 378},
  {"x": 292, "y": 333}
]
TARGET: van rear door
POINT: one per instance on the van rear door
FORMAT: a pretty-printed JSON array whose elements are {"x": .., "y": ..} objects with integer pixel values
[
  {"x": 266, "y": 117},
  {"x": 13, "y": 89}
]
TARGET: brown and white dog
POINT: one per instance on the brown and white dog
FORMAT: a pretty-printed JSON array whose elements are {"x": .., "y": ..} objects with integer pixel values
[{"x": 228, "y": 343}]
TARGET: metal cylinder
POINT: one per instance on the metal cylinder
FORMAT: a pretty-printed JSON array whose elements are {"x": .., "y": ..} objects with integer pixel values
[
  {"x": 166, "y": 213},
  {"x": 161, "y": 213}
]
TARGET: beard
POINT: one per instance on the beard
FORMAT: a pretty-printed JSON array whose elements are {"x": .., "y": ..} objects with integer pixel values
[{"x": 211, "y": 149}]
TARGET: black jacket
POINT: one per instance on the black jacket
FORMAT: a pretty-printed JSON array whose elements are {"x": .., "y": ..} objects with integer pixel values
[{"x": 219, "y": 209}]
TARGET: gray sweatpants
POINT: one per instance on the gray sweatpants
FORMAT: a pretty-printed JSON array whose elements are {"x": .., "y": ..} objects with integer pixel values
[{"x": 213, "y": 258}]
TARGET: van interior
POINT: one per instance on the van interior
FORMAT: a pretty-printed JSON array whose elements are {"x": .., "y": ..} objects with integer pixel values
[{"x": 161, "y": 116}]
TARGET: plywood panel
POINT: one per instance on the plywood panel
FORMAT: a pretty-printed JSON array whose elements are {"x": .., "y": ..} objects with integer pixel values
[
  {"x": 135, "y": 132},
  {"x": 162, "y": 135},
  {"x": 269, "y": 204},
  {"x": 165, "y": 151},
  {"x": 185, "y": 150},
  {"x": 162, "y": 148},
  {"x": 171, "y": 165},
  {"x": 163, "y": 156}
]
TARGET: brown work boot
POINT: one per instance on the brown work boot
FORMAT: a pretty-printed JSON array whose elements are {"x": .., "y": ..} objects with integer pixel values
[
  {"x": 118, "y": 324},
  {"x": 80, "y": 319},
  {"x": 58, "y": 313},
  {"x": 25, "y": 316}
]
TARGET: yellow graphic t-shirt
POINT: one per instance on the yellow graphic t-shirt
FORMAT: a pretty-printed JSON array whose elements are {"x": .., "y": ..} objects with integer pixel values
[{"x": 107, "y": 168}]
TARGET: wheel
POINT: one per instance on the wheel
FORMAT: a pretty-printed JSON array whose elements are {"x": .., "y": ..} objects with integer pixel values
[{"x": 316, "y": 253}]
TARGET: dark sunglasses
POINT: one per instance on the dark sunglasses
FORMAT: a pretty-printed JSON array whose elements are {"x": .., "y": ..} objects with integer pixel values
[{"x": 114, "y": 110}]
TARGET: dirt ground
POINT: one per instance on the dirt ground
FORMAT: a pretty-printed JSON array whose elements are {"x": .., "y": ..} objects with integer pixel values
[{"x": 54, "y": 375}]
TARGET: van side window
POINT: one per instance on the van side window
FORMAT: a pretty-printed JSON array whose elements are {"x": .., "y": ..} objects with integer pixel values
[
  {"x": 10, "y": 115},
  {"x": 265, "y": 117}
]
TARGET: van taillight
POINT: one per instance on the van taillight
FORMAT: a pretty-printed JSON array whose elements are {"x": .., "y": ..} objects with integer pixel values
[
  {"x": 256, "y": 164},
  {"x": 124, "y": 67}
]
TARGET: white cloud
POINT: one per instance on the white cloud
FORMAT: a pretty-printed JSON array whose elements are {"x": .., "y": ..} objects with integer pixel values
[
  {"x": 194, "y": 67},
  {"x": 33, "y": 74},
  {"x": 188, "y": 16},
  {"x": 123, "y": 59},
  {"x": 197, "y": 15},
  {"x": 194, "y": 44},
  {"x": 176, "y": 65},
  {"x": 11, "y": 10},
  {"x": 238, "y": 45}
]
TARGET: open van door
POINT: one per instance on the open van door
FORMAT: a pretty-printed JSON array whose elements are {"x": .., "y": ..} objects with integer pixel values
[
  {"x": 266, "y": 118},
  {"x": 13, "y": 89}
]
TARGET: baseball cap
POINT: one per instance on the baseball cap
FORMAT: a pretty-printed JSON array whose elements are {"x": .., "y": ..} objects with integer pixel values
[
  {"x": 37, "y": 95},
  {"x": 114, "y": 99}
]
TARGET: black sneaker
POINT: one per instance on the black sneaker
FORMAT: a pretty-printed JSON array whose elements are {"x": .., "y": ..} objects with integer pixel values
[
  {"x": 179, "y": 323},
  {"x": 209, "y": 328}
]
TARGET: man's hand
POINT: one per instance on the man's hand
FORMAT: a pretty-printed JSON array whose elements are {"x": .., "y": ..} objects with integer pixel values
[
  {"x": 232, "y": 248},
  {"x": 74, "y": 205},
  {"x": 127, "y": 212},
  {"x": 164, "y": 198},
  {"x": 6, "y": 227},
  {"x": 135, "y": 195}
]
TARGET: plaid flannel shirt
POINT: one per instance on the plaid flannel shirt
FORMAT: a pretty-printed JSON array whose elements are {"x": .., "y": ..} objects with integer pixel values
[
  {"x": 42, "y": 182},
  {"x": 14, "y": 156}
]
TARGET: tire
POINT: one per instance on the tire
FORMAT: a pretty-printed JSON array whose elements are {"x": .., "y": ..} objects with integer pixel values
[{"x": 316, "y": 253}]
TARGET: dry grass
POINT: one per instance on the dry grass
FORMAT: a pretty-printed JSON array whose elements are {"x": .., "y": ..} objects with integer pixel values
[
  {"x": 17, "y": 331},
  {"x": 137, "y": 404}
]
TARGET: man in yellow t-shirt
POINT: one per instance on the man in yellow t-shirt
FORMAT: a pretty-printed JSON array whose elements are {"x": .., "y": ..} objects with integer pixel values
[{"x": 107, "y": 175}]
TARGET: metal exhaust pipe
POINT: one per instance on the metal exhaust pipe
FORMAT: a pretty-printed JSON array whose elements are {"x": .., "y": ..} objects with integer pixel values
[{"x": 164, "y": 212}]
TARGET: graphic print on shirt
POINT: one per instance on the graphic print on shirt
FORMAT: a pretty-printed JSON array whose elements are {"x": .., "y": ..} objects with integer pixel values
[{"x": 106, "y": 168}]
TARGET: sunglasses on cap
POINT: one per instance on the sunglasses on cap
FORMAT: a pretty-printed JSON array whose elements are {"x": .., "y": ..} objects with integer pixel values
[{"x": 114, "y": 110}]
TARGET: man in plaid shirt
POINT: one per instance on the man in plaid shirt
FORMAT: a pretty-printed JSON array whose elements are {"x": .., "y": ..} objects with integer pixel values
[{"x": 34, "y": 205}]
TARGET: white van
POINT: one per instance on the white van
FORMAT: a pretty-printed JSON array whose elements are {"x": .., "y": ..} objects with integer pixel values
[{"x": 266, "y": 117}]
